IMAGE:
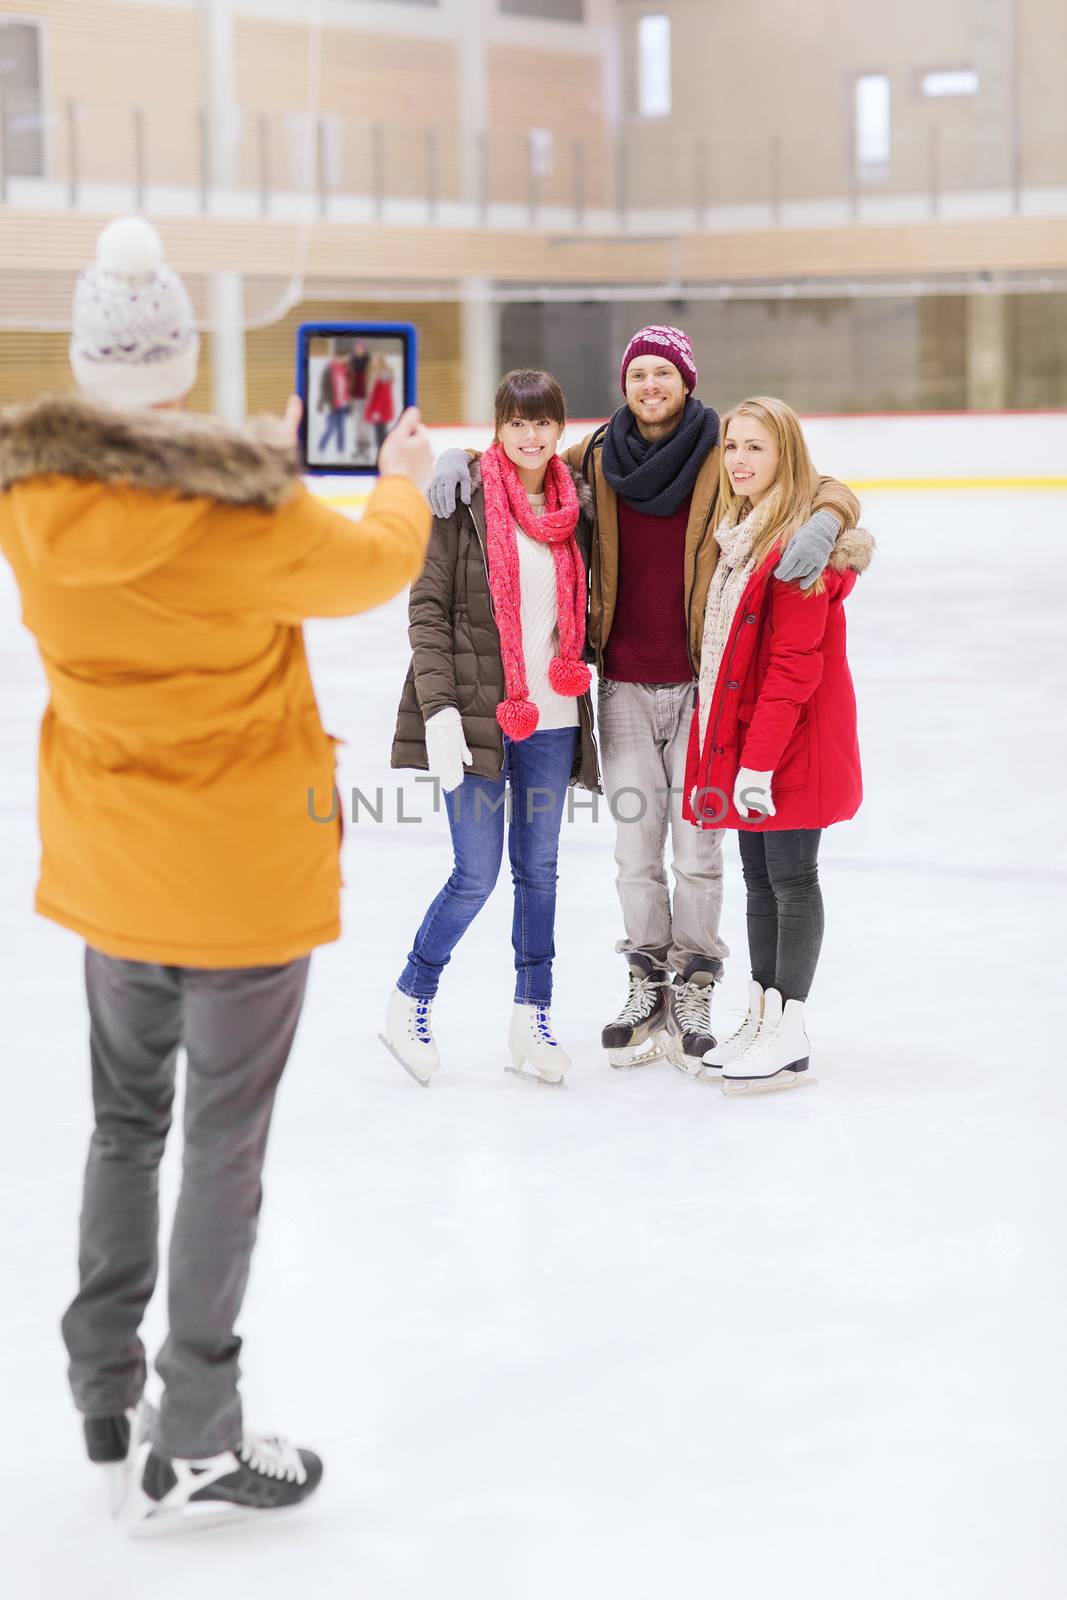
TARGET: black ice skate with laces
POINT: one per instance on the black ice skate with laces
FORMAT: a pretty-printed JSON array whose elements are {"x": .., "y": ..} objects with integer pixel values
[
  {"x": 638, "y": 1034},
  {"x": 264, "y": 1474}
]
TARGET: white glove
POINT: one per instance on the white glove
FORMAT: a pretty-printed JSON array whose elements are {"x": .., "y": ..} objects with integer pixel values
[
  {"x": 446, "y": 748},
  {"x": 756, "y": 789}
]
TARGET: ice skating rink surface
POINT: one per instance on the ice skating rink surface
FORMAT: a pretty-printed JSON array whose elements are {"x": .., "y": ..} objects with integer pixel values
[{"x": 631, "y": 1339}]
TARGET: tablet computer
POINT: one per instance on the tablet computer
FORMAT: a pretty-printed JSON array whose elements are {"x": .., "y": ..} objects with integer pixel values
[{"x": 355, "y": 379}]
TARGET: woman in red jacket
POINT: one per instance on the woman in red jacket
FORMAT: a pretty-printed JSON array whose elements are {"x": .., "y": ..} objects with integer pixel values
[
  {"x": 381, "y": 407},
  {"x": 772, "y": 748}
]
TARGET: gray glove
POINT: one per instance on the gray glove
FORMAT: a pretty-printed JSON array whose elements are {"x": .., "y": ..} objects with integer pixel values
[
  {"x": 452, "y": 472},
  {"x": 808, "y": 550}
]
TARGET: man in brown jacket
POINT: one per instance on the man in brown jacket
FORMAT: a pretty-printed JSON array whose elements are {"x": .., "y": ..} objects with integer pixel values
[{"x": 654, "y": 472}]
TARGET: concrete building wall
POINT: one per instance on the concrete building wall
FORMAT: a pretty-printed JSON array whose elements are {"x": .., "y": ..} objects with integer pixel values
[{"x": 746, "y": 77}]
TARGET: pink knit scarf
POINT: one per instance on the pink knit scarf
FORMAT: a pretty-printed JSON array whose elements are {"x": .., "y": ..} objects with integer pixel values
[{"x": 505, "y": 504}]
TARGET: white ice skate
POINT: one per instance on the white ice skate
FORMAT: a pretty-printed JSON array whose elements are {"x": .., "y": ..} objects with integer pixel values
[
  {"x": 778, "y": 1056},
  {"x": 408, "y": 1037},
  {"x": 732, "y": 1046},
  {"x": 535, "y": 1054}
]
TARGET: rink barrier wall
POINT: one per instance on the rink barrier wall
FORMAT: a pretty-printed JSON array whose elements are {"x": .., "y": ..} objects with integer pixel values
[{"x": 913, "y": 453}]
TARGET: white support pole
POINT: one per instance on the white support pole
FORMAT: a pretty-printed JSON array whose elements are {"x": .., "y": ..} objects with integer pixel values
[
  {"x": 987, "y": 352},
  {"x": 225, "y": 289},
  {"x": 474, "y": 25},
  {"x": 481, "y": 349},
  {"x": 480, "y": 315}
]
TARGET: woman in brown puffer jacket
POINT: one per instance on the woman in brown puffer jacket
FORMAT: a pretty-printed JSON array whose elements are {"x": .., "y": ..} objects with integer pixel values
[{"x": 497, "y": 684}]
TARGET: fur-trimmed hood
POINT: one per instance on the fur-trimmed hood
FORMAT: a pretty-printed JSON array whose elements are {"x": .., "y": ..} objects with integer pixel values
[
  {"x": 854, "y": 547},
  {"x": 168, "y": 452},
  {"x": 853, "y": 551},
  {"x": 70, "y": 465},
  {"x": 585, "y": 494}
]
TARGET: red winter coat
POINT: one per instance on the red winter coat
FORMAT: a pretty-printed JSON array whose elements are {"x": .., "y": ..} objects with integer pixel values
[
  {"x": 784, "y": 703},
  {"x": 380, "y": 406}
]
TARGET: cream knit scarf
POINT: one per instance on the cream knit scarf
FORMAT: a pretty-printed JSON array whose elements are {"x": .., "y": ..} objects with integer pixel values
[{"x": 728, "y": 582}]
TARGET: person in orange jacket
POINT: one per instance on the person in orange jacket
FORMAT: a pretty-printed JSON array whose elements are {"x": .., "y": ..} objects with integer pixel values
[{"x": 165, "y": 564}]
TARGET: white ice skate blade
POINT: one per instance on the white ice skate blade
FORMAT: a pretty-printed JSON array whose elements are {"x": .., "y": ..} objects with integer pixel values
[
  {"x": 638, "y": 1055},
  {"x": 118, "y": 1486},
  {"x": 147, "y": 1520},
  {"x": 122, "y": 1476},
  {"x": 777, "y": 1083},
  {"x": 423, "y": 1083},
  {"x": 688, "y": 1066},
  {"x": 529, "y": 1076}
]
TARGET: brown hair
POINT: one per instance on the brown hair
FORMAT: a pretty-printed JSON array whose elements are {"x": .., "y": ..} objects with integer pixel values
[{"x": 533, "y": 395}]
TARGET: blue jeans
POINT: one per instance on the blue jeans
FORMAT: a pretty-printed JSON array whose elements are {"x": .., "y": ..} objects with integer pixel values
[
  {"x": 335, "y": 425},
  {"x": 538, "y": 771}
]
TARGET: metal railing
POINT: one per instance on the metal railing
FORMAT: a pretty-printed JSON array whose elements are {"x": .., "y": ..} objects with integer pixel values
[{"x": 627, "y": 178}]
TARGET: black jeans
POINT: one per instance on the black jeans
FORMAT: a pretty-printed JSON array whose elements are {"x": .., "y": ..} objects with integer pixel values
[{"x": 785, "y": 915}]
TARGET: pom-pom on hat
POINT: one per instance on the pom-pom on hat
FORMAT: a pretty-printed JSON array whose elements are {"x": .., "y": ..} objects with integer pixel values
[
  {"x": 671, "y": 344},
  {"x": 133, "y": 340}
]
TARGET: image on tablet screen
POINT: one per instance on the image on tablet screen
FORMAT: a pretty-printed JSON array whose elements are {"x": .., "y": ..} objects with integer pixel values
[{"x": 355, "y": 393}]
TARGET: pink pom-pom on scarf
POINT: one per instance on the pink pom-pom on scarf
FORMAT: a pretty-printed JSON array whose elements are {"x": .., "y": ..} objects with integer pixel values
[
  {"x": 569, "y": 677},
  {"x": 518, "y": 718}
]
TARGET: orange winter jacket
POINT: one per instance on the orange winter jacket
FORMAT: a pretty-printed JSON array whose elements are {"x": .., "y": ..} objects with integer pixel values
[{"x": 166, "y": 563}]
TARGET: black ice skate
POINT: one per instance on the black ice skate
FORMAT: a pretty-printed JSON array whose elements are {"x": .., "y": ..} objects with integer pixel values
[
  {"x": 689, "y": 1019},
  {"x": 265, "y": 1474},
  {"x": 638, "y": 1034}
]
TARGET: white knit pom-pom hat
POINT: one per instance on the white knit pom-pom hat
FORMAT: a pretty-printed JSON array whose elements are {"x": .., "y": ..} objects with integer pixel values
[{"x": 134, "y": 340}]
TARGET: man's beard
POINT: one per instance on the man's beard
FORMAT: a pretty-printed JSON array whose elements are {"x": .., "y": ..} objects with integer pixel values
[{"x": 663, "y": 419}]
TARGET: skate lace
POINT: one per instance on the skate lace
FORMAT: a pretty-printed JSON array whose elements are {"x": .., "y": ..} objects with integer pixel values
[
  {"x": 731, "y": 1038},
  {"x": 692, "y": 1007},
  {"x": 273, "y": 1457},
  {"x": 543, "y": 1025},
  {"x": 640, "y": 1002},
  {"x": 420, "y": 1022},
  {"x": 762, "y": 1042}
]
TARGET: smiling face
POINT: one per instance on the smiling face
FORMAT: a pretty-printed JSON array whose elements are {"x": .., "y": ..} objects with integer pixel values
[
  {"x": 530, "y": 445},
  {"x": 751, "y": 456},
  {"x": 655, "y": 393}
]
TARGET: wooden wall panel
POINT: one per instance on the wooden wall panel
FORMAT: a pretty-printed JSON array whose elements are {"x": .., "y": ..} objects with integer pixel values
[
  {"x": 560, "y": 93},
  {"x": 387, "y": 256}
]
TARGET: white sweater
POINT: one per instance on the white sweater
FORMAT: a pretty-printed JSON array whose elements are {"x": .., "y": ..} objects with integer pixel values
[{"x": 539, "y": 619}]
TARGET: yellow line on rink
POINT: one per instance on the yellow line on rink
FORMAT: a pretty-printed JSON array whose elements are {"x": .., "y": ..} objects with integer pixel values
[
  {"x": 860, "y": 485},
  {"x": 914, "y": 484}
]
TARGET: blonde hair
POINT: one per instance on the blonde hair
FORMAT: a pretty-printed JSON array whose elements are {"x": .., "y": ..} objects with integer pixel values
[{"x": 789, "y": 503}]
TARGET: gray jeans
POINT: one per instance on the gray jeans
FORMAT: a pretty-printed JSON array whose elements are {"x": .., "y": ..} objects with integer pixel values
[
  {"x": 237, "y": 1026},
  {"x": 644, "y": 736}
]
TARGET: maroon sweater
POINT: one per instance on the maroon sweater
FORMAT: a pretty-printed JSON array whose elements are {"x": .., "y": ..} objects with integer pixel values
[{"x": 649, "y": 638}]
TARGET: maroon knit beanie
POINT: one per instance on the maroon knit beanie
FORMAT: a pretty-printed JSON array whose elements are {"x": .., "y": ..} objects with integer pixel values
[{"x": 670, "y": 343}]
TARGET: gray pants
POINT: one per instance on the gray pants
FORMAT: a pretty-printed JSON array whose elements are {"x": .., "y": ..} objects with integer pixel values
[
  {"x": 644, "y": 736},
  {"x": 237, "y": 1026}
]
